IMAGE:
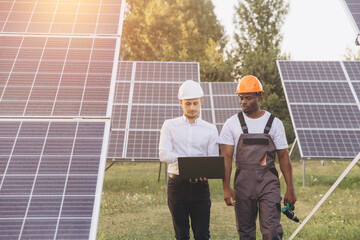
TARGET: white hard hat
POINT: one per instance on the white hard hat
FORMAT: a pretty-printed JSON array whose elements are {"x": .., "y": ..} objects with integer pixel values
[{"x": 189, "y": 90}]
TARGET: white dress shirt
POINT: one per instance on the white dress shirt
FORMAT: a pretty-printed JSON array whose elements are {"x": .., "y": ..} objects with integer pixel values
[{"x": 179, "y": 138}]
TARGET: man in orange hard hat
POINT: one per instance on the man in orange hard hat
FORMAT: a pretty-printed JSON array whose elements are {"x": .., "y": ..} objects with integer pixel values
[
  {"x": 255, "y": 136},
  {"x": 188, "y": 136}
]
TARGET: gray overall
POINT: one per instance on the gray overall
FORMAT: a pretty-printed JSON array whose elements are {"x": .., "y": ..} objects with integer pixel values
[{"x": 256, "y": 184}]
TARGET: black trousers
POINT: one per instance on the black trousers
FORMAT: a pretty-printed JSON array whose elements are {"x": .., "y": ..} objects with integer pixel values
[{"x": 192, "y": 200}]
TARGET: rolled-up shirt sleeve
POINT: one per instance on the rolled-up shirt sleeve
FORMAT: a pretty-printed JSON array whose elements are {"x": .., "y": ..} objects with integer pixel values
[
  {"x": 213, "y": 146},
  {"x": 166, "y": 153}
]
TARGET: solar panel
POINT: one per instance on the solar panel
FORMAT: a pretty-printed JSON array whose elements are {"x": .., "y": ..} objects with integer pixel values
[
  {"x": 55, "y": 76},
  {"x": 58, "y": 64},
  {"x": 49, "y": 177},
  {"x": 353, "y": 69},
  {"x": 318, "y": 92},
  {"x": 311, "y": 71},
  {"x": 60, "y": 17},
  {"x": 145, "y": 96},
  {"x": 329, "y": 143},
  {"x": 352, "y": 7},
  {"x": 325, "y": 109},
  {"x": 221, "y": 102}
]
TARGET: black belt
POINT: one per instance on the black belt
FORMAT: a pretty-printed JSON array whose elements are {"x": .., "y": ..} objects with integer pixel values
[{"x": 190, "y": 180}]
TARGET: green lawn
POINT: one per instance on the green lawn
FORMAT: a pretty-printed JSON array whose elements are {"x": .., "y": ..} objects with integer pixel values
[{"x": 134, "y": 204}]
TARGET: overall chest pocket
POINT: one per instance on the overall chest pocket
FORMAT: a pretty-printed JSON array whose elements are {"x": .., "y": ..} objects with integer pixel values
[{"x": 256, "y": 141}]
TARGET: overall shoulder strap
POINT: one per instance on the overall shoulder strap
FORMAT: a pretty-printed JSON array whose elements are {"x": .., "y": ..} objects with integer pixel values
[
  {"x": 268, "y": 124},
  {"x": 242, "y": 122}
]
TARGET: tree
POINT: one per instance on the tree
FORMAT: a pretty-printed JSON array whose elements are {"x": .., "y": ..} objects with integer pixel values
[
  {"x": 258, "y": 40},
  {"x": 176, "y": 30},
  {"x": 351, "y": 55}
]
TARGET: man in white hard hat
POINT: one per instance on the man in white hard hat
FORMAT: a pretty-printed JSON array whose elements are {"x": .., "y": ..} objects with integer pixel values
[{"x": 188, "y": 136}]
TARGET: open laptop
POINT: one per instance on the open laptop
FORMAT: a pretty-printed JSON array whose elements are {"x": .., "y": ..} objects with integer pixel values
[{"x": 196, "y": 167}]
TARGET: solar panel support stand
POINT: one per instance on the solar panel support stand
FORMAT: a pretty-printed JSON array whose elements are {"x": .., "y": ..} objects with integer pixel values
[
  {"x": 113, "y": 163},
  {"x": 332, "y": 188},
  {"x": 303, "y": 173},
  {"x": 160, "y": 172},
  {"x": 291, "y": 150},
  {"x": 293, "y": 146}
]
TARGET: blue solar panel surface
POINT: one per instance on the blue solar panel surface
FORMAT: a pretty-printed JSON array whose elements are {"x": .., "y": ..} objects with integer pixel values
[
  {"x": 58, "y": 62},
  {"x": 323, "y": 98},
  {"x": 49, "y": 172},
  {"x": 145, "y": 96}
]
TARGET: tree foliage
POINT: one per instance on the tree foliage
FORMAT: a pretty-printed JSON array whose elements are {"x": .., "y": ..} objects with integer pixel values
[
  {"x": 258, "y": 41},
  {"x": 352, "y": 55},
  {"x": 176, "y": 30}
]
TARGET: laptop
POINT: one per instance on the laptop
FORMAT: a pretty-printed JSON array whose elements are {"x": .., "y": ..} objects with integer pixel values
[{"x": 196, "y": 167}]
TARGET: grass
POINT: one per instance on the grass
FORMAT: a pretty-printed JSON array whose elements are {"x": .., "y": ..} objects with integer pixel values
[{"x": 134, "y": 204}]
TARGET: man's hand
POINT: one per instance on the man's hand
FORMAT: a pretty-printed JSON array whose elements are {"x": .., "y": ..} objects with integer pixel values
[
  {"x": 291, "y": 198},
  {"x": 227, "y": 152},
  {"x": 229, "y": 197},
  {"x": 286, "y": 169}
]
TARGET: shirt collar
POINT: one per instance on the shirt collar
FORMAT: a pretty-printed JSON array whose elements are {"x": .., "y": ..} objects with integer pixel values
[{"x": 185, "y": 119}]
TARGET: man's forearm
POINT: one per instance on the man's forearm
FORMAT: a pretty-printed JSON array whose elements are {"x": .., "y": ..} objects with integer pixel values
[
  {"x": 228, "y": 169},
  {"x": 286, "y": 168}
]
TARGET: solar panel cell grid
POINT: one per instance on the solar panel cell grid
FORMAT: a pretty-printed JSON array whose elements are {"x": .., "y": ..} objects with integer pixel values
[
  {"x": 64, "y": 17},
  {"x": 116, "y": 144},
  {"x": 325, "y": 112},
  {"x": 205, "y": 88},
  {"x": 353, "y": 68},
  {"x": 226, "y": 102},
  {"x": 143, "y": 144},
  {"x": 206, "y": 114},
  {"x": 124, "y": 71},
  {"x": 206, "y": 102},
  {"x": 166, "y": 72},
  {"x": 122, "y": 92},
  {"x": 224, "y": 88},
  {"x": 318, "y": 92},
  {"x": 153, "y": 93},
  {"x": 223, "y": 114},
  {"x": 50, "y": 171},
  {"x": 327, "y": 143},
  {"x": 326, "y": 116},
  {"x": 37, "y": 229},
  {"x": 119, "y": 116},
  {"x": 296, "y": 70},
  {"x": 56, "y": 86},
  {"x": 354, "y": 8},
  {"x": 152, "y": 117}
]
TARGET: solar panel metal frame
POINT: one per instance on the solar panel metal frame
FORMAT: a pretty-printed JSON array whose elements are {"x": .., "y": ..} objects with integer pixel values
[
  {"x": 351, "y": 18},
  {"x": 105, "y": 119},
  {"x": 352, "y": 93}
]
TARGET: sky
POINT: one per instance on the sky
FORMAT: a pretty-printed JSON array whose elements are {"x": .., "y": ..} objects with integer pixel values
[{"x": 310, "y": 31}]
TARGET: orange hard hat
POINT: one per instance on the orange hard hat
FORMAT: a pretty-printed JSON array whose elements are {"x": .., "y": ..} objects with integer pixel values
[{"x": 249, "y": 84}]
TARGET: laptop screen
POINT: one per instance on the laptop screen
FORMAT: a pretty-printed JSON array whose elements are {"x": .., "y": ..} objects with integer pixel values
[{"x": 196, "y": 167}]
